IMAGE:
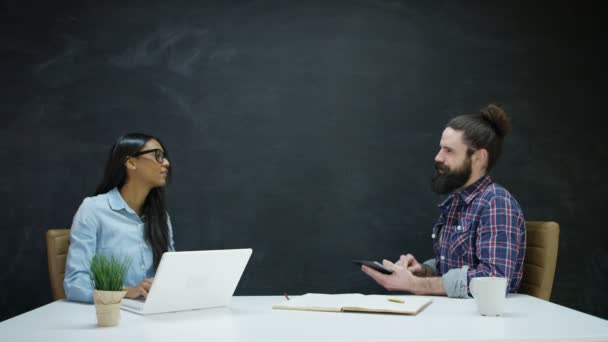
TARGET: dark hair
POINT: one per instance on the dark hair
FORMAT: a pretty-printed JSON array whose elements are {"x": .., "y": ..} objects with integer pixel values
[
  {"x": 115, "y": 175},
  {"x": 486, "y": 129}
]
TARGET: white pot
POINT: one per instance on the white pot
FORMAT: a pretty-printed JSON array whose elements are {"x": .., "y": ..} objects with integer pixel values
[{"x": 107, "y": 306}]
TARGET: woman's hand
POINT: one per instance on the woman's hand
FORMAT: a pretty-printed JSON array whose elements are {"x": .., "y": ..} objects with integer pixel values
[{"x": 139, "y": 290}]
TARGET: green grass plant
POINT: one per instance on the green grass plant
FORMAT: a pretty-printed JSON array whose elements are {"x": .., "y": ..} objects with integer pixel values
[{"x": 108, "y": 273}]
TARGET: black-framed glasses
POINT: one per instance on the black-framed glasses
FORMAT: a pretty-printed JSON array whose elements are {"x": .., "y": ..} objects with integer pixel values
[{"x": 159, "y": 154}]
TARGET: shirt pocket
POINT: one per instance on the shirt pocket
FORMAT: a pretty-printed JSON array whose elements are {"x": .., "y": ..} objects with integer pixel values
[{"x": 461, "y": 238}]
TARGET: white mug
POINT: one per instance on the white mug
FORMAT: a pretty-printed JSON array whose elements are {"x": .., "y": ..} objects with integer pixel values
[{"x": 489, "y": 292}]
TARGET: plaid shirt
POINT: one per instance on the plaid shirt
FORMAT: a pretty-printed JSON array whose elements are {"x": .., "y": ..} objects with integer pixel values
[{"x": 482, "y": 227}]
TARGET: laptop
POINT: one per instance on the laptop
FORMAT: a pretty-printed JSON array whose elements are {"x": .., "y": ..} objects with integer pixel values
[{"x": 192, "y": 280}]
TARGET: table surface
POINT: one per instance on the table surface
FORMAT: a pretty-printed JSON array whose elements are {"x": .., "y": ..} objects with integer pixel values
[{"x": 251, "y": 318}]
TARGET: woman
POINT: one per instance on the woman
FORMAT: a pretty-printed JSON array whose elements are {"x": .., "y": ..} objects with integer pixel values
[{"x": 126, "y": 218}]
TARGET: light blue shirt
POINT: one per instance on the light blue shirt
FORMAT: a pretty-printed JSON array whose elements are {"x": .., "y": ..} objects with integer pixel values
[{"x": 106, "y": 225}]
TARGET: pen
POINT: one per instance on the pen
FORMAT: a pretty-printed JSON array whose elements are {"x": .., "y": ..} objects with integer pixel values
[
  {"x": 396, "y": 300},
  {"x": 286, "y": 296}
]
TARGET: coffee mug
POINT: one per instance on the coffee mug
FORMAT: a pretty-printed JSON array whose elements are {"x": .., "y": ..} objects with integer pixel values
[{"x": 490, "y": 293}]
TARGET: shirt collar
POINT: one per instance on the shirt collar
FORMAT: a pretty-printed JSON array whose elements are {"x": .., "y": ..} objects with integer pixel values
[
  {"x": 116, "y": 201},
  {"x": 474, "y": 189},
  {"x": 469, "y": 193}
]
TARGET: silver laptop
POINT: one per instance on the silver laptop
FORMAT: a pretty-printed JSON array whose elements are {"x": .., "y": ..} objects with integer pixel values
[{"x": 192, "y": 280}]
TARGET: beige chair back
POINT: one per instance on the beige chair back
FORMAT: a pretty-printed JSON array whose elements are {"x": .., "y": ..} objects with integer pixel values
[
  {"x": 541, "y": 258},
  {"x": 57, "y": 242}
]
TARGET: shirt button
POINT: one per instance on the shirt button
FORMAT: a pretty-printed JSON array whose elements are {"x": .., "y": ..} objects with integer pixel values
[
  {"x": 432, "y": 236},
  {"x": 458, "y": 228},
  {"x": 442, "y": 257},
  {"x": 143, "y": 267}
]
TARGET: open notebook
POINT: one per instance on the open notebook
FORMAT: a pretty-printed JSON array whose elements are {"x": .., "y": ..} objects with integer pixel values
[{"x": 355, "y": 302}]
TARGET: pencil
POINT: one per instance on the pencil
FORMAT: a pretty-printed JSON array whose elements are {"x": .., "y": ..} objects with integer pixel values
[{"x": 396, "y": 300}]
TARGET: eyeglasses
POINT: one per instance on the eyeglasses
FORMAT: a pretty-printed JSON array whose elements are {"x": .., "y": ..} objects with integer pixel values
[{"x": 159, "y": 154}]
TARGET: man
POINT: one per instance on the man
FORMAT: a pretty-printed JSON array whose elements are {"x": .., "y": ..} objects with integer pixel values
[{"x": 481, "y": 230}]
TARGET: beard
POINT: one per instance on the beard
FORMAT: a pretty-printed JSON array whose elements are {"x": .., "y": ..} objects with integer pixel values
[{"x": 446, "y": 181}]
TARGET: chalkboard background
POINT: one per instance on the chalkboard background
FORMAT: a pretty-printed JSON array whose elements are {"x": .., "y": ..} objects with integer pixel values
[{"x": 304, "y": 130}]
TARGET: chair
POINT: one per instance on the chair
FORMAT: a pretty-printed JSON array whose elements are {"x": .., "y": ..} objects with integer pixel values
[
  {"x": 541, "y": 257},
  {"x": 57, "y": 242}
]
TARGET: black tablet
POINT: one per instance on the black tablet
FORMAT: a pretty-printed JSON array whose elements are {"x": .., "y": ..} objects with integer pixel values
[{"x": 373, "y": 264}]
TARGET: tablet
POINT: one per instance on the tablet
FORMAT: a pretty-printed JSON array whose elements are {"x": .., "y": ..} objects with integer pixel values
[{"x": 373, "y": 264}]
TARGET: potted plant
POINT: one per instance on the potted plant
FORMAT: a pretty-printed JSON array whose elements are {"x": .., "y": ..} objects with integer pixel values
[{"x": 108, "y": 275}]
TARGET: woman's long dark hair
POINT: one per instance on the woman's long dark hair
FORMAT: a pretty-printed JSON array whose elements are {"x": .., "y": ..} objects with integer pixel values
[{"x": 115, "y": 175}]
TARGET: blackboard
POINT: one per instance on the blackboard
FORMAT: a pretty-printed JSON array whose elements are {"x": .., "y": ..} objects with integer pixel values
[{"x": 303, "y": 130}]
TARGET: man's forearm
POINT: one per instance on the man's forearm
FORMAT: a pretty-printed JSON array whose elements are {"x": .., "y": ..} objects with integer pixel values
[{"x": 430, "y": 286}]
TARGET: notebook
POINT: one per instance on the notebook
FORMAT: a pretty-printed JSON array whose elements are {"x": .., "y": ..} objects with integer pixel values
[
  {"x": 355, "y": 302},
  {"x": 192, "y": 280}
]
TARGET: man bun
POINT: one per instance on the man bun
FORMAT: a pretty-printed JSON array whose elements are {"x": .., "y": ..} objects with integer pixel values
[{"x": 497, "y": 118}]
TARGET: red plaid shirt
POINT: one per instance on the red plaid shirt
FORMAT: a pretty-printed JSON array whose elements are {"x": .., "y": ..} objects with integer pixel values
[{"x": 482, "y": 227}]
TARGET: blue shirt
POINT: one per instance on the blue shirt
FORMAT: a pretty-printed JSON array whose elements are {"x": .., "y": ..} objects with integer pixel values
[{"x": 106, "y": 225}]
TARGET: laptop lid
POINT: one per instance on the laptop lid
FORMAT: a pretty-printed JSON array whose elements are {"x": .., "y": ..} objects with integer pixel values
[{"x": 193, "y": 280}]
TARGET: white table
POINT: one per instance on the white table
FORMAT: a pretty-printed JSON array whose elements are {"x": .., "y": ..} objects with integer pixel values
[{"x": 252, "y": 319}]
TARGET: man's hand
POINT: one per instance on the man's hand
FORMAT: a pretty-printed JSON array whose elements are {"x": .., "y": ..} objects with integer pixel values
[
  {"x": 400, "y": 280},
  {"x": 139, "y": 290},
  {"x": 411, "y": 264}
]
